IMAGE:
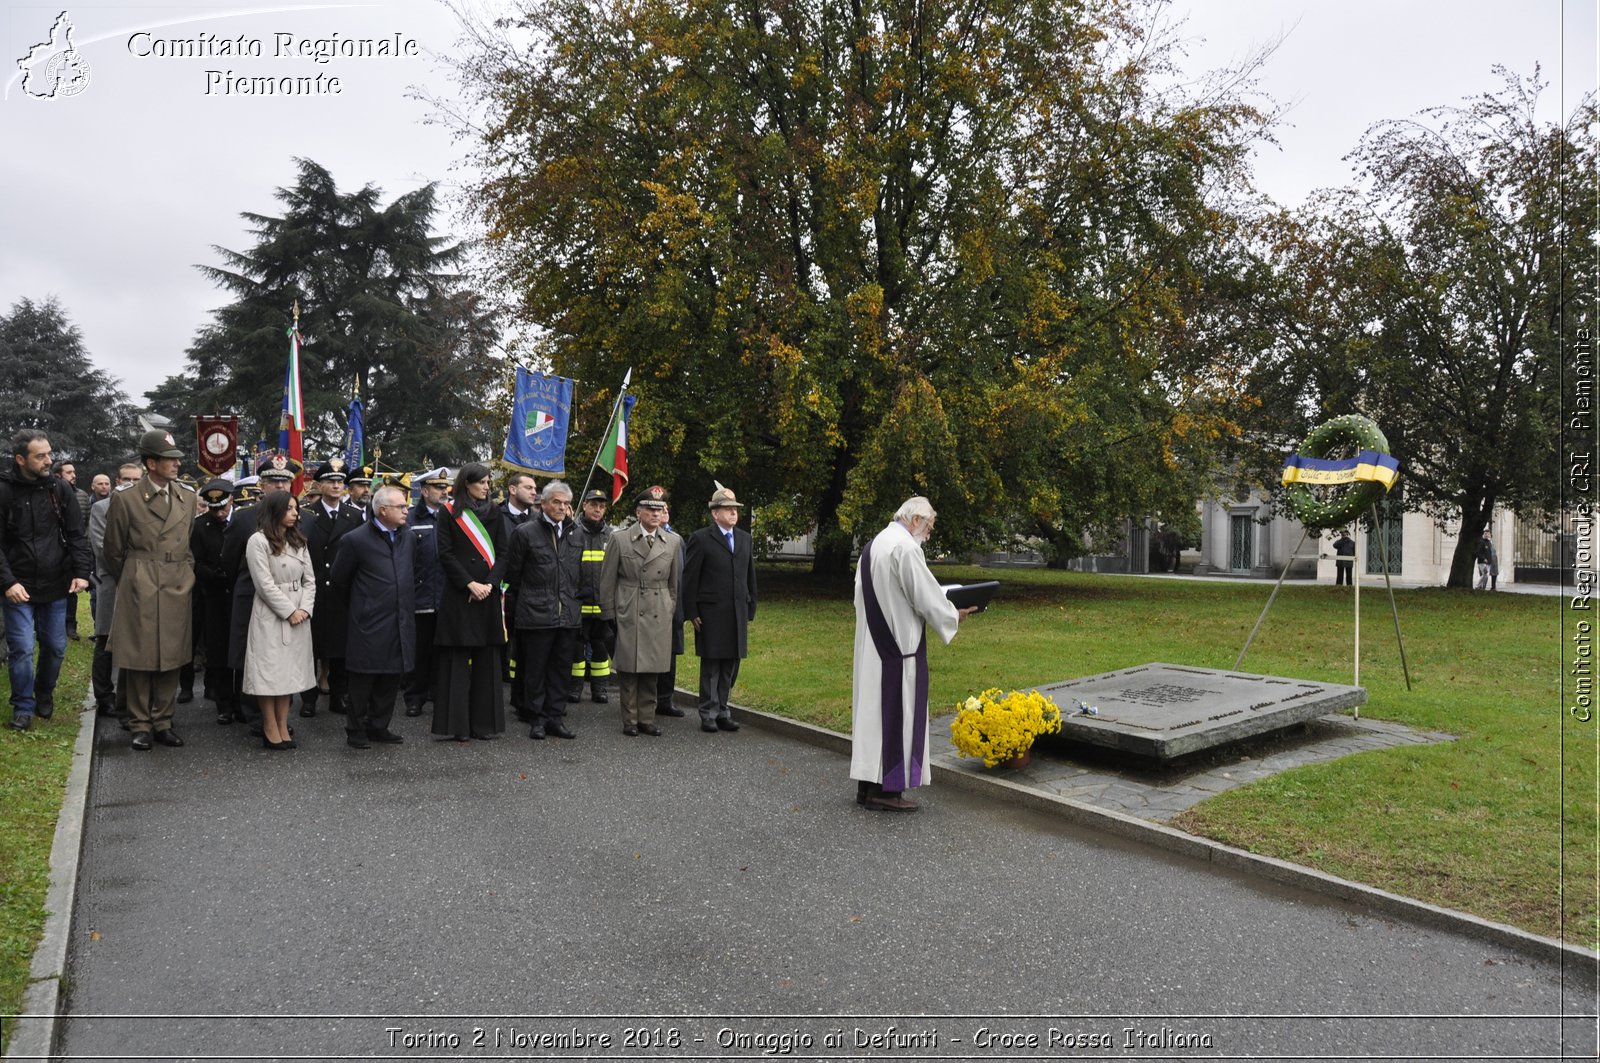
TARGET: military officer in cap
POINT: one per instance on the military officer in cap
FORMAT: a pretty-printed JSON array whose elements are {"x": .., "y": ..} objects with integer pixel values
[
  {"x": 358, "y": 491},
  {"x": 324, "y": 522},
  {"x": 592, "y": 658},
  {"x": 422, "y": 522},
  {"x": 215, "y": 595},
  {"x": 639, "y": 589},
  {"x": 147, "y": 553}
]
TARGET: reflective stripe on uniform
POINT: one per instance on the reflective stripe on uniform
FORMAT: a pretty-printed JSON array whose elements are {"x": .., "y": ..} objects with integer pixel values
[{"x": 591, "y": 610}]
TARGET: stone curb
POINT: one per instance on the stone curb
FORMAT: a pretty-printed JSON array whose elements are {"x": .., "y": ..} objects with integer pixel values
[
  {"x": 1173, "y": 840},
  {"x": 34, "y": 1034}
]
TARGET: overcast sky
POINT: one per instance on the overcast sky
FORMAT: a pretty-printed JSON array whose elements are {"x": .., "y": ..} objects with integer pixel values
[{"x": 111, "y": 196}]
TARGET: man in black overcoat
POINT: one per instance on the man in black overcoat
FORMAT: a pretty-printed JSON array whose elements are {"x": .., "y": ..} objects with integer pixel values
[
  {"x": 522, "y": 503},
  {"x": 324, "y": 522},
  {"x": 215, "y": 595},
  {"x": 373, "y": 571},
  {"x": 719, "y": 599}
]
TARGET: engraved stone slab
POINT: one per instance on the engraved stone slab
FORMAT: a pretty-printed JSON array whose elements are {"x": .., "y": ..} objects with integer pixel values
[{"x": 1163, "y": 711}]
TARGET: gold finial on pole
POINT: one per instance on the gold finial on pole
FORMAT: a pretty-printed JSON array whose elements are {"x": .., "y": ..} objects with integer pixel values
[{"x": 297, "y": 313}]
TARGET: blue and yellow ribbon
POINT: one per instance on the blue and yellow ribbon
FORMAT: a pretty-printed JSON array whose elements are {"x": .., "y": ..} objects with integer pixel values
[{"x": 1368, "y": 465}]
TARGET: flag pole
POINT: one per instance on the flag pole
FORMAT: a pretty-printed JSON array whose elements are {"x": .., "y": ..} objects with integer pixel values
[{"x": 606, "y": 435}]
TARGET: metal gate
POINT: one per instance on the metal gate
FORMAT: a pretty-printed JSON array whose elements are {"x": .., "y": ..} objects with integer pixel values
[{"x": 1240, "y": 535}]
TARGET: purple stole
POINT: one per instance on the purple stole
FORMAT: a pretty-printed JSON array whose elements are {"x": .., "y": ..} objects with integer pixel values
[{"x": 897, "y": 774}]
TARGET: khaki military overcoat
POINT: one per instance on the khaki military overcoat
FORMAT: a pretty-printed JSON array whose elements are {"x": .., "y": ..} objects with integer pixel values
[
  {"x": 639, "y": 590},
  {"x": 147, "y": 553}
]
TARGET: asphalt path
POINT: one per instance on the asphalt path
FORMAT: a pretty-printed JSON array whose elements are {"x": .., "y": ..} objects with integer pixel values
[{"x": 710, "y": 896}]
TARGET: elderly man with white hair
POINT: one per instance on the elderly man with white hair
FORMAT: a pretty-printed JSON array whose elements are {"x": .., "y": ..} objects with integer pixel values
[
  {"x": 545, "y": 570},
  {"x": 896, "y": 598},
  {"x": 373, "y": 571}
]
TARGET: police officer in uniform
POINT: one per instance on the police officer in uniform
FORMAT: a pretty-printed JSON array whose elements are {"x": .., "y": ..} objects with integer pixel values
[
  {"x": 422, "y": 522},
  {"x": 597, "y": 638},
  {"x": 147, "y": 553},
  {"x": 216, "y": 595},
  {"x": 324, "y": 522},
  {"x": 358, "y": 491}
]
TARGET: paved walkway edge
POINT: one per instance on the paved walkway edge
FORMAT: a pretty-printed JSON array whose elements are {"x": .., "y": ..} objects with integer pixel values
[
  {"x": 1174, "y": 840},
  {"x": 34, "y": 1035}
]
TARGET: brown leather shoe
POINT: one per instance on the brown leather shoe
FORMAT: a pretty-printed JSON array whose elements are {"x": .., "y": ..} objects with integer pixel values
[{"x": 890, "y": 803}]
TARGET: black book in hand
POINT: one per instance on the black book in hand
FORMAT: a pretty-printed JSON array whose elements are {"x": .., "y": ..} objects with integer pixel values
[{"x": 971, "y": 595}]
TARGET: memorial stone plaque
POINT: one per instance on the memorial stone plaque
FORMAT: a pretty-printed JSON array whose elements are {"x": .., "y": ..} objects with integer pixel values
[{"x": 1163, "y": 711}]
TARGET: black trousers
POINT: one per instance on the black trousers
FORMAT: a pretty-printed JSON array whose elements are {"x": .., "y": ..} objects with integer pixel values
[
  {"x": 544, "y": 665},
  {"x": 717, "y": 675},
  {"x": 1342, "y": 571},
  {"x": 372, "y": 697},
  {"x": 419, "y": 681},
  {"x": 110, "y": 688},
  {"x": 468, "y": 692}
]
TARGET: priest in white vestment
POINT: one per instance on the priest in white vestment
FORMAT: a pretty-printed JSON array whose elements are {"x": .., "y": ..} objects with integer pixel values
[{"x": 896, "y": 599}]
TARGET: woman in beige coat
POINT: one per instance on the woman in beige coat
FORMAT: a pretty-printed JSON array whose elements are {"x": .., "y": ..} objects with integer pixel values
[{"x": 278, "y": 660}]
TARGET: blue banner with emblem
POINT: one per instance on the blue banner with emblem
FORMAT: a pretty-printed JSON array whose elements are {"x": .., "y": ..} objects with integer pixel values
[
  {"x": 355, "y": 440},
  {"x": 537, "y": 439}
]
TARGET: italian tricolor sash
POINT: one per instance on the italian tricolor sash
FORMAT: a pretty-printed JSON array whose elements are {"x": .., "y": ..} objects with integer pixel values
[{"x": 476, "y": 534}]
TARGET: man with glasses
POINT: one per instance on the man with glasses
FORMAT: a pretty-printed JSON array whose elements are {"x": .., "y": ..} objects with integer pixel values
[
  {"x": 373, "y": 572},
  {"x": 546, "y": 557}
]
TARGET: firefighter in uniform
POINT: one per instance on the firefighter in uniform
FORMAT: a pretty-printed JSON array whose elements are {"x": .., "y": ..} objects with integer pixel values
[{"x": 597, "y": 638}]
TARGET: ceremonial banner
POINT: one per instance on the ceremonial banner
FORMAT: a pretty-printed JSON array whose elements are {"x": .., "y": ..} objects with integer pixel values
[
  {"x": 355, "y": 442},
  {"x": 537, "y": 438},
  {"x": 1368, "y": 465},
  {"x": 218, "y": 439},
  {"x": 614, "y": 451},
  {"x": 290, "y": 428}
]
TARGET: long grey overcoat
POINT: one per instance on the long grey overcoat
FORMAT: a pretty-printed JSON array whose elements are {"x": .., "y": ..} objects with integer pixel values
[
  {"x": 147, "y": 553},
  {"x": 105, "y": 587},
  {"x": 639, "y": 589}
]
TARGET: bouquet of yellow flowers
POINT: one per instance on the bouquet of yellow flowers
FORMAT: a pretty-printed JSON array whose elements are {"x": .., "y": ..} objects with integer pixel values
[{"x": 999, "y": 728}]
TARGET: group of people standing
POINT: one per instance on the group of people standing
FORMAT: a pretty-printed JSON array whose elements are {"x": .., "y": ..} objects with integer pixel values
[
  {"x": 368, "y": 602},
  {"x": 385, "y": 600}
]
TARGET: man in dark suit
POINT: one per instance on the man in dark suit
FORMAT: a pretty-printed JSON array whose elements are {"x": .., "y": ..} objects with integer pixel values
[
  {"x": 373, "y": 572},
  {"x": 215, "y": 595},
  {"x": 521, "y": 503},
  {"x": 323, "y": 523},
  {"x": 719, "y": 598}
]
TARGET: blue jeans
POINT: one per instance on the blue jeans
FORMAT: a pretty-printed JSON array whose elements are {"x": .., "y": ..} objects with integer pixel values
[{"x": 46, "y": 622}]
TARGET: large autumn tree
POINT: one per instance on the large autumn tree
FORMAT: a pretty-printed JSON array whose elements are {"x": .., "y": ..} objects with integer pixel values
[
  {"x": 856, "y": 251},
  {"x": 381, "y": 306},
  {"x": 1438, "y": 296}
]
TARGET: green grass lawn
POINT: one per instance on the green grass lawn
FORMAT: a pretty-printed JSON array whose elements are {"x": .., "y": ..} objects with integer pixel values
[
  {"x": 33, "y": 778},
  {"x": 1499, "y": 823}
]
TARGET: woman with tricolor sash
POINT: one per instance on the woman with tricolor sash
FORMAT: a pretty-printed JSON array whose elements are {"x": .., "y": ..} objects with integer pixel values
[{"x": 471, "y": 634}]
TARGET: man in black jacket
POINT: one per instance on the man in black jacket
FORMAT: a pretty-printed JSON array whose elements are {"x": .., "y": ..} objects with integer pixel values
[
  {"x": 429, "y": 584},
  {"x": 44, "y": 557},
  {"x": 545, "y": 557}
]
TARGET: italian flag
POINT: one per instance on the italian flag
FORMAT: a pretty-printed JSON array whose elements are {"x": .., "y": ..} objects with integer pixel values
[
  {"x": 476, "y": 534},
  {"x": 290, "y": 439},
  {"x": 614, "y": 451}
]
